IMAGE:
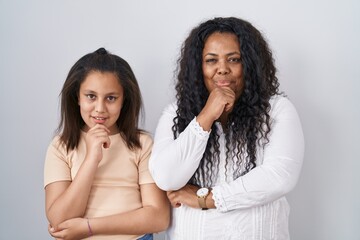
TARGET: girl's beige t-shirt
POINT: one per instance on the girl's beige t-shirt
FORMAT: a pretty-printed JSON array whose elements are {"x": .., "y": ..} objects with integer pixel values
[{"x": 116, "y": 186}]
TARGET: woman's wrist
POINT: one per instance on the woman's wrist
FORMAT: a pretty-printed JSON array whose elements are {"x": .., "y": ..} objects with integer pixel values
[
  {"x": 204, "y": 121},
  {"x": 210, "y": 201}
]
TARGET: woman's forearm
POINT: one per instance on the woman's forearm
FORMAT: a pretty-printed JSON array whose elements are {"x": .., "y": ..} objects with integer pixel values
[{"x": 279, "y": 167}]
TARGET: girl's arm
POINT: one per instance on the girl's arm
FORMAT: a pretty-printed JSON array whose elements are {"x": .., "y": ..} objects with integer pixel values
[
  {"x": 68, "y": 199},
  {"x": 65, "y": 199},
  {"x": 153, "y": 217}
]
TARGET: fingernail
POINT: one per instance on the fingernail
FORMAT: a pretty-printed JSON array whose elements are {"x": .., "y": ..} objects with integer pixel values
[{"x": 52, "y": 229}]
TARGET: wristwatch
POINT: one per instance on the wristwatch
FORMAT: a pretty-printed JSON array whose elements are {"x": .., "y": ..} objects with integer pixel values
[{"x": 202, "y": 193}]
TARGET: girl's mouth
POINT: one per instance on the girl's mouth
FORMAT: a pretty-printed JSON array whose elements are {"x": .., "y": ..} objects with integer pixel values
[{"x": 99, "y": 120}]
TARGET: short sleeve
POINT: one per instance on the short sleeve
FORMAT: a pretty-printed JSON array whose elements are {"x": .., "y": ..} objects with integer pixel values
[
  {"x": 56, "y": 167},
  {"x": 143, "y": 159}
]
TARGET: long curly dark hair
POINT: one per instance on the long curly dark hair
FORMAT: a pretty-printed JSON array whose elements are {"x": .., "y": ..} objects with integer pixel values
[
  {"x": 71, "y": 121},
  {"x": 249, "y": 122}
]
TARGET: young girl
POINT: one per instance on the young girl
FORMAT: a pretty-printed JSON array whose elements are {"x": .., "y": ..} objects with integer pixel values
[{"x": 97, "y": 182}]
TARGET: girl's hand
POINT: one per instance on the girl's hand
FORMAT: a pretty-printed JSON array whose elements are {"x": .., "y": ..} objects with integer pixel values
[
  {"x": 96, "y": 139},
  {"x": 72, "y": 229}
]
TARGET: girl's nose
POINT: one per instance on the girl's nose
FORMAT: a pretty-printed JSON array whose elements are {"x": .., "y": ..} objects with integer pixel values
[{"x": 100, "y": 106}]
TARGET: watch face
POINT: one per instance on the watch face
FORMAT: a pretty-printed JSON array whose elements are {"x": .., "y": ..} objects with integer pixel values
[{"x": 202, "y": 192}]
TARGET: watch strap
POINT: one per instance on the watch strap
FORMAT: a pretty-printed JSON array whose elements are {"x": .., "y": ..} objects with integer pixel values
[{"x": 202, "y": 202}]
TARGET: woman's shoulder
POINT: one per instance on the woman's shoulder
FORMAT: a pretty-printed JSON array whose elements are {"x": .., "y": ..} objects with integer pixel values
[
  {"x": 171, "y": 108},
  {"x": 281, "y": 103}
]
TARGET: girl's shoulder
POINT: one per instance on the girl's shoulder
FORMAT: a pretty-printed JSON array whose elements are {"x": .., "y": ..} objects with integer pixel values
[
  {"x": 57, "y": 147},
  {"x": 146, "y": 139},
  {"x": 57, "y": 143}
]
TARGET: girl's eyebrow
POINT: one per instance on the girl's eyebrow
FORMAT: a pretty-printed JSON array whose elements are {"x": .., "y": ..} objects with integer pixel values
[
  {"x": 112, "y": 93},
  {"x": 107, "y": 94},
  {"x": 89, "y": 91}
]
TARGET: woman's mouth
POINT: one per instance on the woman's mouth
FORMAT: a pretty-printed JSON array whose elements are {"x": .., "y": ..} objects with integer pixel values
[{"x": 223, "y": 83}]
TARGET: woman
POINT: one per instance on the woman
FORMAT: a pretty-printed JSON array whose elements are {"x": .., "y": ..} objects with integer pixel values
[{"x": 231, "y": 147}]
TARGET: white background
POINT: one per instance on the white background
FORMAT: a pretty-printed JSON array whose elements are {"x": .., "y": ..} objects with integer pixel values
[{"x": 316, "y": 48}]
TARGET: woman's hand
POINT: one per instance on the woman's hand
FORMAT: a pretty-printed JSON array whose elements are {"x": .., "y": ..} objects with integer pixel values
[
  {"x": 221, "y": 100},
  {"x": 96, "y": 139},
  {"x": 72, "y": 229},
  {"x": 186, "y": 195}
]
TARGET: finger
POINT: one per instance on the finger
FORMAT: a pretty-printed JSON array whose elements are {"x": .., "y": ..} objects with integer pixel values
[
  {"x": 99, "y": 136},
  {"x": 107, "y": 143},
  {"x": 53, "y": 229},
  {"x": 229, "y": 100},
  {"x": 228, "y": 107},
  {"x": 103, "y": 127},
  {"x": 100, "y": 126},
  {"x": 222, "y": 96},
  {"x": 50, "y": 228},
  {"x": 175, "y": 203},
  {"x": 98, "y": 132},
  {"x": 58, "y": 234},
  {"x": 173, "y": 198},
  {"x": 172, "y": 195}
]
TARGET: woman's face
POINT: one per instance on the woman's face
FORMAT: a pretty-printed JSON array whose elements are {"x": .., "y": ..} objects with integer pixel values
[
  {"x": 221, "y": 63},
  {"x": 101, "y": 100}
]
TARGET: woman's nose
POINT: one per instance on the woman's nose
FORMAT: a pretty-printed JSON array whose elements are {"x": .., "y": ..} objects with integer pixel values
[{"x": 223, "y": 68}]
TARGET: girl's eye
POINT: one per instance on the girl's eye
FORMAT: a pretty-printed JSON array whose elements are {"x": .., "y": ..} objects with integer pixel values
[
  {"x": 111, "y": 98},
  {"x": 90, "y": 96}
]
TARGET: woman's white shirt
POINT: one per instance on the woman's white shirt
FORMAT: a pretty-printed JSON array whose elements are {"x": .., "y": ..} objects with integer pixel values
[{"x": 251, "y": 207}]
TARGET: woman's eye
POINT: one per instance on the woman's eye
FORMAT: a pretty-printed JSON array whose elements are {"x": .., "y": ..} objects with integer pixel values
[
  {"x": 210, "y": 60},
  {"x": 234, "y": 60}
]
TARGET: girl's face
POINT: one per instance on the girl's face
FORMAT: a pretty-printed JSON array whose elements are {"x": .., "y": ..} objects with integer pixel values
[
  {"x": 221, "y": 64},
  {"x": 100, "y": 99}
]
